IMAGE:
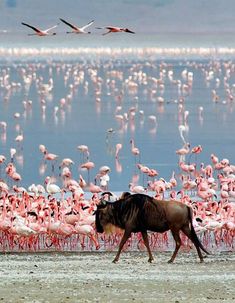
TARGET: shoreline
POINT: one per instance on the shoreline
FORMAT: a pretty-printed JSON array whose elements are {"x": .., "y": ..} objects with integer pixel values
[{"x": 94, "y": 278}]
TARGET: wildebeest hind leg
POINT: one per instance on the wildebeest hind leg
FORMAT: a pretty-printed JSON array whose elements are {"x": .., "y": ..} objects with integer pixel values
[
  {"x": 125, "y": 237},
  {"x": 176, "y": 236},
  {"x": 186, "y": 230},
  {"x": 146, "y": 243}
]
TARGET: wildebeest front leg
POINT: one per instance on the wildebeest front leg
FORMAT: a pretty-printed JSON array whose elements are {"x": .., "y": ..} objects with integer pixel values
[
  {"x": 146, "y": 243},
  {"x": 177, "y": 239},
  {"x": 125, "y": 237}
]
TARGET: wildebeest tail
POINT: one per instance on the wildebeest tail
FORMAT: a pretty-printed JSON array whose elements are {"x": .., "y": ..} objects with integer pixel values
[{"x": 193, "y": 233}]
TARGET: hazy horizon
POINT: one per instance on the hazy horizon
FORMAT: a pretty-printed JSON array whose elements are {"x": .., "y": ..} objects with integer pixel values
[{"x": 152, "y": 16}]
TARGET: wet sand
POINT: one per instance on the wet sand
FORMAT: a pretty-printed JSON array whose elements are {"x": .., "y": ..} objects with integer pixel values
[{"x": 92, "y": 277}]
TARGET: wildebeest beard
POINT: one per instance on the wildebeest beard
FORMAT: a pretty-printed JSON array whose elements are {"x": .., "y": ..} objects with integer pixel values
[{"x": 98, "y": 225}]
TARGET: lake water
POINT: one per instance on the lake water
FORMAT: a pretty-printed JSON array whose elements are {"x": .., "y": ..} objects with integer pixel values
[{"x": 101, "y": 77}]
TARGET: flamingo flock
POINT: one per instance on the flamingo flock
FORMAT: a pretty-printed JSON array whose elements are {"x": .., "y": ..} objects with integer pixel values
[
  {"x": 75, "y": 29},
  {"x": 57, "y": 210},
  {"x": 41, "y": 217}
]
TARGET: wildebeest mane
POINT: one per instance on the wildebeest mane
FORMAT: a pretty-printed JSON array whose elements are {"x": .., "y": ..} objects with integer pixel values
[{"x": 134, "y": 209}]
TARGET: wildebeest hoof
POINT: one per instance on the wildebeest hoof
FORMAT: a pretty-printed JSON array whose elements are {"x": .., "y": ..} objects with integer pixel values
[
  {"x": 115, "y": 261},
  {"x": 170, "y": 261},
  {"x": 150, "y": 260}
]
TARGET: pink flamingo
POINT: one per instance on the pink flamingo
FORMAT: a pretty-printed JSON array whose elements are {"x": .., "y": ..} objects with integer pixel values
[
  {"x": 135, "y": 151},
  {"x": 114, "y": 29},
  {"x": 89, "y": 231},
  {"x": 88, "y": 166},
  {"x": 84, "y": 151},
  {"x": 19, "y": 139},
  {"x": 195, "y": 150},
  {"x": 50, "y": 157},
  {"x": 182, "y": 152},
  {"x": 137, "y": 189},
  {"x": 117, "y": 151},
  {"x": 95, "y": 188}
]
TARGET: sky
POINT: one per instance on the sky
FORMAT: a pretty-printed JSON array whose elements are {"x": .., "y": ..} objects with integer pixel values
[{"x": 144, "y": 16}]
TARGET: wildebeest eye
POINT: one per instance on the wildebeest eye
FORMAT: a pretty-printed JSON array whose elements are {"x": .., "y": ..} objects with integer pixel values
[{"x": 102, "y": 204}]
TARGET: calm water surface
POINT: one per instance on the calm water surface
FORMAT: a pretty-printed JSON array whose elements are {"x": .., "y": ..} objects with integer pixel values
[{"x": 93, "y": 88}]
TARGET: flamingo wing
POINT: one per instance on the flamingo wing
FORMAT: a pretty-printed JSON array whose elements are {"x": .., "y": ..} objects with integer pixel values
[
  {"x": 109, "y": 27},
  {"x": 69, "y": 24},
  {"x": 88, "y": 24},
  {"x": 50, "y": 28},
  {"x": 32, "y": 27},
  {"x": 113, "y": 28}
]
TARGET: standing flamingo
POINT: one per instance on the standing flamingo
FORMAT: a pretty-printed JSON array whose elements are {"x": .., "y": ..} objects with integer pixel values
[
  {"x": 88, "y": 165},
  {"x": 84, "y": 151},
  {"x": 118, "y": 148},
  {"x": 135, "y": 151},
  {"x": 50, "y": 187}
]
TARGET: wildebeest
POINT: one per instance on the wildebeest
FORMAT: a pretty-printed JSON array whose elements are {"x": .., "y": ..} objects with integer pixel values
[{"x": 140, "y": 213}]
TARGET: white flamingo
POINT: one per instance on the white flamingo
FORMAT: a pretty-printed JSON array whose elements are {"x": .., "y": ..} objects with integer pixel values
[
  {"x": 40, "y": 32},
  {"x": 50, "y": 187},
  {"x": 77, "y": 30}
]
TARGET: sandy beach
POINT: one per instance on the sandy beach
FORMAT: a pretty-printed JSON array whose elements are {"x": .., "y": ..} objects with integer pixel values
[{"x": 92, "y": 277}]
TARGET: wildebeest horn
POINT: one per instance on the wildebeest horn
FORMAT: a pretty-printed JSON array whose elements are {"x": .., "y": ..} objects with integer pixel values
[{"x": 106, "y": 193}]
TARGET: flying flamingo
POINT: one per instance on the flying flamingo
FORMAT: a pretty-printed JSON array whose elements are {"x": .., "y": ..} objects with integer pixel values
[
  {"x": 40, "y": 32},
  {"x": 77, "y": 30},
  {"x": 114, "y": 29}
]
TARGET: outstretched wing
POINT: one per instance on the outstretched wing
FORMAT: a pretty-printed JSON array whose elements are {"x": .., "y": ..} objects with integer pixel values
[
  {"x": 88, "y": 24},
  {"x": 50, "y": 28},
  {"x": 32, "y": 27},
  {"x": 69, "y": 24}
]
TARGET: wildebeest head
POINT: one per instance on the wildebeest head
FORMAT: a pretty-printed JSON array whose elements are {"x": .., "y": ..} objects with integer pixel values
[{"x": 102, "y": 217}]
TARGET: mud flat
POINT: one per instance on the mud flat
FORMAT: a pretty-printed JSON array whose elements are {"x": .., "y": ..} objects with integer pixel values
[{"x": 92, "y": 277}]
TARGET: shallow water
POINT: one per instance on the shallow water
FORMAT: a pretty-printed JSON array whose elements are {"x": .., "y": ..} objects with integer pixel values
[{"x": 84, "y": 120}]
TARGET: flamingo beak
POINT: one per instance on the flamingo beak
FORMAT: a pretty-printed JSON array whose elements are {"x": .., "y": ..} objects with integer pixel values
[{"x": 129, "y": 31}]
